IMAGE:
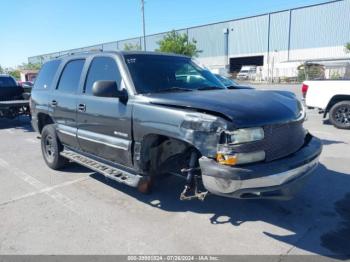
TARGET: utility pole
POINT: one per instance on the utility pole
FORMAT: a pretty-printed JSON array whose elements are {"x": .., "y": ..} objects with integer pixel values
[
  {"x": 273, "y": 67},
  {"x": 275, "y": 52},
  {"x": 143, "y": 23}
]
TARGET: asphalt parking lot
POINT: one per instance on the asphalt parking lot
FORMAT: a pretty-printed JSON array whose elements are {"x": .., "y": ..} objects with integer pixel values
[{"x": 76, "y": 211}]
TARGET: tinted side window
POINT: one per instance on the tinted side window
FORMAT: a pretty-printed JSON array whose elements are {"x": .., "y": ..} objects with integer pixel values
[
  {"x": 70, "y": 77},
  {"x": 46, "y": 75},
  {"x": 102, "y": 68},
  {"x": 6, "y": 81}
]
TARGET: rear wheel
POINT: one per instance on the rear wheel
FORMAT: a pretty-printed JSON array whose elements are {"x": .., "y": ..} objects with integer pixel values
[
  {"x": 339, "y": 115},
  {"x": 51, "y": 148}
]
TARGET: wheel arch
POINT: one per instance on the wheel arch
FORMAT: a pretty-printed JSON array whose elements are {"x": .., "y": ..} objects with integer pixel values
[
  {"x": 152, "y": 144},
  {"x": 43, "y": 120},
  {"x": 335, "y": 99}
]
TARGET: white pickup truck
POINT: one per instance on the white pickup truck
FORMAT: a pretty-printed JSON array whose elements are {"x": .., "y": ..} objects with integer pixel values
[{"x": 330, "y": 97}]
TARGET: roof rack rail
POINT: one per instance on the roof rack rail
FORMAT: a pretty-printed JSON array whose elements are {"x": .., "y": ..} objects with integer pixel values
[{"x": 81, "y": 52}]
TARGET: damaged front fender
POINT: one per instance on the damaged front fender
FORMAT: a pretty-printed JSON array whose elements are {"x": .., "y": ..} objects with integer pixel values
[
  {"x": 203, "y": 131},
  {"x": 195, "y": 128}
]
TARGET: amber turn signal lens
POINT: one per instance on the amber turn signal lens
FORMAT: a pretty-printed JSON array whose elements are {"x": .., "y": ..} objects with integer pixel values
[{"x": 229, "y": 160}]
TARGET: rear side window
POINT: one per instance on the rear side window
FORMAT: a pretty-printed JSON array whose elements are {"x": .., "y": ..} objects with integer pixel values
[
  {"x": 47, "y": 74},
  {"x": 70, "y": 77},
  {"x": 6, "y": 81},
  {"x": 102, "y": 68}
]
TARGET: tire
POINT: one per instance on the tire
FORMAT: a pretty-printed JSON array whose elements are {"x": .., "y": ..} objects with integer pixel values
[
  {"x": 51, "y": 148},
  {"x": 339, "y": 115}
]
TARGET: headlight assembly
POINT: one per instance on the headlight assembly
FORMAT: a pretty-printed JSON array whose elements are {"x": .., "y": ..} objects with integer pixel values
[
  {"x": 203, "y": 123},
  {"x": 302, "y": 114},
  {"x": 227, "y": 156},
  {"x": 244, "y": 135},
  {"x": 240, "y": 158}
]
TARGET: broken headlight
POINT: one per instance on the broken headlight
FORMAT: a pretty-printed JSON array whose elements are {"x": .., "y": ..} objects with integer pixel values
[
  {"x": 302, "y": 114},
  {"x": 226, "y": 156},
  {"x": 203, "y": 123},
  {"x": 244, "y": 135}
]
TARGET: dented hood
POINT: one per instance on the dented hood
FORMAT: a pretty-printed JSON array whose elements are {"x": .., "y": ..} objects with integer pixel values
[{"x": 245, "y": 108}]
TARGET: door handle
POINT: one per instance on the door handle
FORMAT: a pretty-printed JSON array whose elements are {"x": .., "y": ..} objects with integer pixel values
[
  {"x": 81, "y": 107},
  {"x": 54, "y": 103}
]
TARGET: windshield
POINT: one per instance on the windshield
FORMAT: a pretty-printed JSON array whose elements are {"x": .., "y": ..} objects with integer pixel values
[
  {"x": 6, "y": 81},
  {"x": 226, "y": 81},
  {"x": 161, "y": 73}
]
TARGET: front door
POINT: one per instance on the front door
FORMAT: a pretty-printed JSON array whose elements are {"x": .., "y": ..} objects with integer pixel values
[
  {"x": 64, "y": 102},
  {"x": 104, "y": 124}
]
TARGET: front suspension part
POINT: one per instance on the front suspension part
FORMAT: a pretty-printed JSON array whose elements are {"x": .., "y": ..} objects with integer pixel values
[{"x": 191, "y": 191}]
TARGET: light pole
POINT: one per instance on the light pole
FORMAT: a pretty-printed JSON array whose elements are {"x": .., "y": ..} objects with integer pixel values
[
  {"x": 226, "y": 32},
  {"x": 143, "y": 24},
  {"x": 273, "y": 65}
]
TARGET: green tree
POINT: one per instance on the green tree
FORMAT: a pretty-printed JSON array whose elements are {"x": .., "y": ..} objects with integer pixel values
[
  {"x": 176, "y": 43},
  {"x": 16, "y": 74},
  {"x": 347, "y": 47},
  {"x": 132, "y": 47},
  {"x": 310, "y": 71},
  {"x": 30, "y": 66},
  {"x": 335, "y": 76}
]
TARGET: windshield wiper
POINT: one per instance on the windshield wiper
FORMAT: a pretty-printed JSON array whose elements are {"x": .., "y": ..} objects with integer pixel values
[
  {"x": 209, "y": 88},
  {"x": 174, "y": 89}
]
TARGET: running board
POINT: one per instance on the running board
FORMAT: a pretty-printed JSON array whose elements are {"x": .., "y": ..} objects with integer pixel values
[{"x": 113, "y": 173}]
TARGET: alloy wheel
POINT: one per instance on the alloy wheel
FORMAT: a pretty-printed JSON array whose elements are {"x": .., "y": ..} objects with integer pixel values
[{"x": 342, "y": 115}]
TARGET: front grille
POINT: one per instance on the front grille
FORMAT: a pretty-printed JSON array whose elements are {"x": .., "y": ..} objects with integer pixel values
[
  {"x": 283, "y": 140},
  {"x": 8, "y": 98},
  {"x": 280, "y": 141}
]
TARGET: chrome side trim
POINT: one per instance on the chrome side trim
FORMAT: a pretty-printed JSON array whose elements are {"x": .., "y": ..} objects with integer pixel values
[
  {"x": 66, "y": 133},
  {"x": 110, "y": 141},
  {"x": 67, "y": 130}
]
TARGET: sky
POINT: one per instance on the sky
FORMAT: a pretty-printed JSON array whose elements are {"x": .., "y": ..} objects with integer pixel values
[{"x": 34, "y": 27}]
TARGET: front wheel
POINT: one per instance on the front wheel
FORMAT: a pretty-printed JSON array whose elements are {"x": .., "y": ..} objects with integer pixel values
[
  {"x": 51, "y": 148},
  {"x": 339, "y": 115}
]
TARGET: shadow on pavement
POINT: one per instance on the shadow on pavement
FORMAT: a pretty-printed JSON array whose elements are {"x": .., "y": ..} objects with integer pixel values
[
  {"x": 75, "y": 168},
  {"x": 326, "y": 142},
  {"x": 22, "y": 122},
  {"x": 338, "y": 239},
  {"x": 327, "y": 122},
  {"x": 312, "y": 216}
]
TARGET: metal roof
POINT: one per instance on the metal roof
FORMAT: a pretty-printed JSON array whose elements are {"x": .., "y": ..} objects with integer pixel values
[{"x": 318, "y": 25}]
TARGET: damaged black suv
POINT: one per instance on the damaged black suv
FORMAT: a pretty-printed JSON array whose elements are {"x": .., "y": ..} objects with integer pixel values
[{"x": 134, "y": 116}]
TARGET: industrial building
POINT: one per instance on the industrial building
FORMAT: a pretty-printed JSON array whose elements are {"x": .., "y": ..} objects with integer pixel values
[{"x": 277, "y": 43}]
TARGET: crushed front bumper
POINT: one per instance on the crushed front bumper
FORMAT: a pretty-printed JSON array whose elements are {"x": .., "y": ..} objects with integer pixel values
[{"x": 279, "y": 179}]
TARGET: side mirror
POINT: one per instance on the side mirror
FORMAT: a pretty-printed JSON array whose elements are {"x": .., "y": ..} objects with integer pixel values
[{"x": 108, "y": 89}]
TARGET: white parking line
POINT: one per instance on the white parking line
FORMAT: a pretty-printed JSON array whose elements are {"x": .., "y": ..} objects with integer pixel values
[
  {"x": 41, "y": 187},
  {"x": 44, "y": 190},
  {"x": 50, "y": 191}
]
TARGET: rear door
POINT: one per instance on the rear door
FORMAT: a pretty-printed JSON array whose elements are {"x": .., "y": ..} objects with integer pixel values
[
  {"x": 64, "y": 102},
  {"x": 104, "y": 124}
]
